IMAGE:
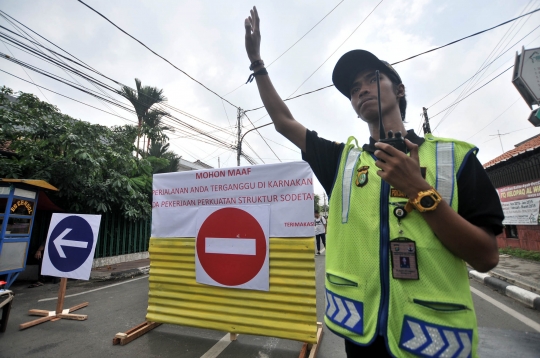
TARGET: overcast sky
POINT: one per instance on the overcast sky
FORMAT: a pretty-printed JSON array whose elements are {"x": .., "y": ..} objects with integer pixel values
[{"x": 206, "y": 40}]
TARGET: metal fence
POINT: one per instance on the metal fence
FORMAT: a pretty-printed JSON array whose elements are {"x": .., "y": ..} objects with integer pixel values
[
  {"x": 515, "y": 171},
  {"x": 117, "y": 235}
]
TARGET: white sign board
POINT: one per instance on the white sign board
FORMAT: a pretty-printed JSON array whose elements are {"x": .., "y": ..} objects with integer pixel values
[
  {"x": 530, "y": 71},
  {"x": 521, "y": 212},
  {"x": 232, "y": 246},
  {"x": 287, "y": 188},
  {"x": 70, "y": 246}
]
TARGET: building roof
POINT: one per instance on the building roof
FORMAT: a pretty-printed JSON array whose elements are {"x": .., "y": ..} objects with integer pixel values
[
  {"x": 520, "y": 148},
  {"x": 185, "y": 165}
]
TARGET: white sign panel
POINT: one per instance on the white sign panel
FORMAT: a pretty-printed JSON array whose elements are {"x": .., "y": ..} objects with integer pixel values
[
  {"x": 232, "y": 246},
  {"x": 287, "y": 188},
  {"x": 530, "y": 71},
  {"x": 70, "y": 246},
  {"x": 521, "y": 212}
]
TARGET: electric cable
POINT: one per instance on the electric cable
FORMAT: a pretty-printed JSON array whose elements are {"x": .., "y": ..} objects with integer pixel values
[
  {"x": 469, "y": 95},
  {"x": 257, "y": 130},
  {"x": 155, "y": 53},
  {"x": 348, "y": 37},
  {"x": 86, "y": 104}
]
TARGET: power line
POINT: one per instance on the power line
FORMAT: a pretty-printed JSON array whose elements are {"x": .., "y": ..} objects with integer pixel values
[
  {"x": 485, "y": 67},
  {"x": 471, "y": 84},
  {"x": 86, "y": 104},
  {"x": 466, "y": 37},
  {"x": 422, "y": 53},
  {"x": 348, "y": 37},
  {"x": 257, "y": 130},
  {"x": 469, "y": 95},
  {"x": 300, "y": 39},
  {"x": 499, "y": 116},
  {"x": 64, "y": 66},
  {"x": 155, "y": 53}
]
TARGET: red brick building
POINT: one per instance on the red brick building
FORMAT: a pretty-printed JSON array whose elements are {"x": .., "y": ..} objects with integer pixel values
[{"x": 517, "y": 173}]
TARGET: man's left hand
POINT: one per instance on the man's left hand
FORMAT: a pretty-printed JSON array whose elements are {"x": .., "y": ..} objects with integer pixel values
[{"x": 400, "y": 170}]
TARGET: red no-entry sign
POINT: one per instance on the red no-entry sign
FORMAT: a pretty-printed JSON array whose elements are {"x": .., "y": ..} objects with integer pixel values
[{"x": 231, "y": 246}]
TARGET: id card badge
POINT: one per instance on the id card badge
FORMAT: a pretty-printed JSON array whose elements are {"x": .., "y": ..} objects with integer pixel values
[{"x": 404, "y": 264}]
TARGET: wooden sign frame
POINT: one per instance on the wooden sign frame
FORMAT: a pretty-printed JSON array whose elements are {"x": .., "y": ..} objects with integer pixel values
[{"x": 59, "y": 313}]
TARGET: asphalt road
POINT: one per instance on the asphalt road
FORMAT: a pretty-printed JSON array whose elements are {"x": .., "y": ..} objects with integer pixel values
[{"x": 120, "y": 305}]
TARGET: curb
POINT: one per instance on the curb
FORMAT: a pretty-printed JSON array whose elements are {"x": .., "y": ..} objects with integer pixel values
[
  {"x": 106, "y": 276},
  {"x": 528, "y": 298}
]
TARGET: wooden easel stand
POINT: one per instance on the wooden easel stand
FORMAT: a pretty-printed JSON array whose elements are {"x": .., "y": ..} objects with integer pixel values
[{"x": 59, "y": 313}]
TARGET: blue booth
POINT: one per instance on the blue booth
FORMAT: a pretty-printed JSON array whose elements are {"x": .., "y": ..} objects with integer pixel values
[{"x": 18, "y": 204}]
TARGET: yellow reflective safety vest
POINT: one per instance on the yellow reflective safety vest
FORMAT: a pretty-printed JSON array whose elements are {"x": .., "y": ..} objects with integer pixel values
[{"x": 429, "y": 317}]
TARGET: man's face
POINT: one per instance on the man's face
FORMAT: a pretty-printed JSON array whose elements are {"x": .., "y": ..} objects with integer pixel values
[
  {"x": 364, "y": 95},
  {"x": 317, "y": 215}
]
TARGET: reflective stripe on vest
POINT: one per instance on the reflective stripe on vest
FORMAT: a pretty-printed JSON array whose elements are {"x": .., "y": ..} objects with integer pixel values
[
  {"x": 432, "y": 340},
  {"x": 352, "y": 157},
  {"x": 445, "y": 171},
  {"x": 345, "y": 312}
]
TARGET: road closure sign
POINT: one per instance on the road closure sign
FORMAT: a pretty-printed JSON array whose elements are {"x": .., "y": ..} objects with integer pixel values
[
  {"x": 232, "y": 247},
  {"x": 70, "y": 246},
  {"x": 285, "y": 188}
]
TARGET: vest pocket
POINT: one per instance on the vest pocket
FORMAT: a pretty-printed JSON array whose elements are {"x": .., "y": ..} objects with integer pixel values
[
  {"x": 441, "y": 306},
  {"x": 340, "y": 281}
]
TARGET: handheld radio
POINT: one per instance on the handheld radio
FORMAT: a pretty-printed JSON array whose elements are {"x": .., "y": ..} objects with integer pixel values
[{"x": 396, "y": 140}]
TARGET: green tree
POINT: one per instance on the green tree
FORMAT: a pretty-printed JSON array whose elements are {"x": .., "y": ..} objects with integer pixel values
[
  {"x": 316, "y": 202},
  {"x": 163, "y": 160},
  {"x": 92, "y": 166},
  {"x": 142, "y": 99},
  {"x": 154, "y": 129}
]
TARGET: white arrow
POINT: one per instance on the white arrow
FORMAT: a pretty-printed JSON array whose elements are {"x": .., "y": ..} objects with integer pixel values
[
  {"x": 332, "y": 307},
  {"x": 436, "y": 342},
  {"x": 453, "y": 345},
  {"x": 466, "y": 351},
  {"x": 341, "y": 310},
  {"x": 355, "y": 316},
  {"x": 59, "y": 242},
  {"x": 419, "y": 338}
]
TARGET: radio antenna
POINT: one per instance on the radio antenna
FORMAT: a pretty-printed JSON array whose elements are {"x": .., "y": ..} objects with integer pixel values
[{"x": 382, "y": 134}]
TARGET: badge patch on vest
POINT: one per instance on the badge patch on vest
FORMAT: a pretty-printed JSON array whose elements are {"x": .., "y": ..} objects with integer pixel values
[
  {"x": 362, "y": 176},
  {"x": 431, "y": 340},
  {"x": 345, "y": 312},
  {"x": 395, "y": 193}
]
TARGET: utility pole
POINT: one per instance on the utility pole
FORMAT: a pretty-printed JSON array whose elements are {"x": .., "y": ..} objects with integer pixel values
[
  {"x": 426, "y": 126},
  {"x": 239, "y": 115}
]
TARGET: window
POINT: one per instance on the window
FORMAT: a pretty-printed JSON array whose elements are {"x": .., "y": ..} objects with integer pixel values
[{"x": 511, "y": 231}]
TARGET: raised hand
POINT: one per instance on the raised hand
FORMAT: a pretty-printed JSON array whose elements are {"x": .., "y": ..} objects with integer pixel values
[{"x": 253, "y": 36}]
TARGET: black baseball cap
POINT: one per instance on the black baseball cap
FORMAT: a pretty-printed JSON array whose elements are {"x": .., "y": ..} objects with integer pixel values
[{"x": 350, "y": 64}]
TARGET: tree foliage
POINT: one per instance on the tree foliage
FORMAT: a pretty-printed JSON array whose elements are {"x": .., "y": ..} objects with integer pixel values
[{"x": 93, "y": 166}]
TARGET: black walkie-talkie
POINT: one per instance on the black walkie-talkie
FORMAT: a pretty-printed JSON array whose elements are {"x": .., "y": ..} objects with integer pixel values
[{"x": 396, "y": 140}]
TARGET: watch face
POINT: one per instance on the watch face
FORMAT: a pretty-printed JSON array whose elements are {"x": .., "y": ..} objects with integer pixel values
[{"x": 427, "y": 202}]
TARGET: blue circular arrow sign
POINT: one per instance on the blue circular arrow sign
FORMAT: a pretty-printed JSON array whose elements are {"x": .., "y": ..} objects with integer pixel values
[{"x": 70, "y": 243}]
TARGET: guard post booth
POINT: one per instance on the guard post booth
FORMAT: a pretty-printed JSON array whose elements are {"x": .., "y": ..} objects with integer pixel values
[{"x": 18, "y": 204}]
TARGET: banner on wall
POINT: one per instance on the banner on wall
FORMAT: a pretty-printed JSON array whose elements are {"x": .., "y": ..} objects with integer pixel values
[{"x": 520, "y": 203}]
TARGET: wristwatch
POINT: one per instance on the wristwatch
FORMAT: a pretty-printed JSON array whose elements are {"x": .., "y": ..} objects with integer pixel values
[{"x": 427, "y": 200}]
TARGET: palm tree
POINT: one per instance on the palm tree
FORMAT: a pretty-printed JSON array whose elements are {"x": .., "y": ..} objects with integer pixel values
[
  {"x": 153, "y": 127},
  {"x": 159, "y": 150},
  {"x": 142, "y": 99}
]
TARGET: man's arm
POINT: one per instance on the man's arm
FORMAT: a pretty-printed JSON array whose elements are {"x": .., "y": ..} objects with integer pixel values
[
  {"x": 475, "y": 245},
  {"x": 283, "y": 120}
]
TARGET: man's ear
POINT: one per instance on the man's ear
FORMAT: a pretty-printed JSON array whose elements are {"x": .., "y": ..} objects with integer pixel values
[{"x": 400, "y": 90}]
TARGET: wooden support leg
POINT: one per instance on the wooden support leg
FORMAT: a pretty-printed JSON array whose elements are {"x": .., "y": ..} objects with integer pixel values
[
  {"x": 35, "y": 322},
  {"x": 43, "y": 313},
  {"x": 77, "y": 317},
  {"x": 61, "y": 295},
  {"x": 310, "y": 350},
  {"x": 78, "y": 307},
  {"x": 234, "y": 336},
  {"x": 134, "y": 333}
]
